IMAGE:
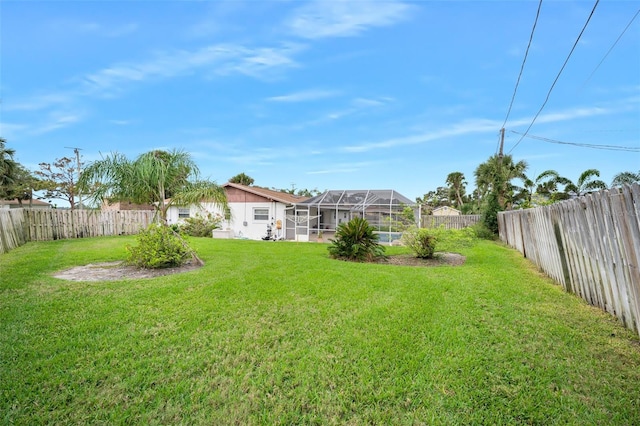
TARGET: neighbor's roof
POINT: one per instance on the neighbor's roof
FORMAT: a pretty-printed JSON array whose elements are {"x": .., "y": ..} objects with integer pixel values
[
  {"x": 358, "y": 198},
  {"x": 270, "y": 194},
  {"x": 25, "y": 203},
  {"x": 446, "y": 208}
]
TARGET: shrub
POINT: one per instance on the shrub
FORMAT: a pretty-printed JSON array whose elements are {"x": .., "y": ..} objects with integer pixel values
[
  {"x": 158, "y": 247},
  {"x": 454, "y": 239},
  {"x": 490, "y": 211},
  {"x": 200, "y": 226},
  {"x": 356, "y": 240},
  {"x": 482, "y": 232},
  {"x": 422, "y": 241}
]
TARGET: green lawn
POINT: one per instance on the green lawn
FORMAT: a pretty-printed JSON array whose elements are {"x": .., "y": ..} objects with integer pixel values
[{"x": 278, "y": 333}]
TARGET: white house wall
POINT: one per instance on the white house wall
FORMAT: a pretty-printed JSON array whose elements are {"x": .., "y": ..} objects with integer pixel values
[
  {"x": 245, "y": 225},
  {"x": 243, "y": 222}
]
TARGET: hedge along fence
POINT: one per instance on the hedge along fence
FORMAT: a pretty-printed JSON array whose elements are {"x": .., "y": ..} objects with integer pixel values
[
  {"x": 590, "y": 245},
  {"x": 18, "y": 226},
  {"x": 450, "y": 222}
]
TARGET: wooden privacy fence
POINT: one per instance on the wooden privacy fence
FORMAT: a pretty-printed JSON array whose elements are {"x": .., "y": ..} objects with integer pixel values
[
  {"x": 18, "y": 226},
  {"x": 590, "y": 245},
  {"x": 450, "y": 222}
]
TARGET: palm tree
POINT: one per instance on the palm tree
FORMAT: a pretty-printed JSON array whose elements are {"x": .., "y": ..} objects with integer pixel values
[
  {"x": 159, "y": 178},
  {"x": 8, "y": 167},
  {"x": 545, "y": 186},
  {"x": 625, "y": 178},
  {"x": 242, "y": 179},
  {"x": 496, "y": 175},
  {"x": 456, "y": 182},
  {"x": 586, "y": 183}
]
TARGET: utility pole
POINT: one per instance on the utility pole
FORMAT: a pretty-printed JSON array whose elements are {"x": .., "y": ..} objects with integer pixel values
[
  {"x": 77, "y": 152},
  {"x": 499, "y": 183},
  {"x": 501, "y": 145}
]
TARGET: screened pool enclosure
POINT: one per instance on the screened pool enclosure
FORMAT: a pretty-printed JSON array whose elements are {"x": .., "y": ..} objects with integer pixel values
[{"x": 388, "y": 211}]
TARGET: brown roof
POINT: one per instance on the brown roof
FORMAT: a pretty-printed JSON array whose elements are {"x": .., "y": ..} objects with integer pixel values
[
  {"x": 282, "y": 197},
  {"x": 25, "y": 203}
]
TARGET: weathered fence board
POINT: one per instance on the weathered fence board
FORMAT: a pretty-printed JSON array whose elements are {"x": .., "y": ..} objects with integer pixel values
[
  {"x": 12, "y": 230},
  {"x": 450, "y": 222},
  {"x": 590, "y": 245},
  {"x": 18, "y": 226}
]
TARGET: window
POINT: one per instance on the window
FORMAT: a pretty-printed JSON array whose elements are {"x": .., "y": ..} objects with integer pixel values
[
  {"x": 183, "y": 213},
  {"x": 260, "y": 214}
]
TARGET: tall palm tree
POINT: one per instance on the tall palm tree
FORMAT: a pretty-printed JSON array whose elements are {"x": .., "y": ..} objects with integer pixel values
[
  {"x": 625, "y": 178},
  {"x": 496, "y": 175},
  {"x": 456, "y": 182},
  {"x": 159, "y": 178}
]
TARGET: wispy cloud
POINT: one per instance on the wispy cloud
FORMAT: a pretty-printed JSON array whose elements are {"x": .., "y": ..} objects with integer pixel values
[
  {"x": 37, "y": 102},
  {"x": 472, "y": 126},
  {"x": 10, "y": 130},
  {"x": 56, "y": 121},
  {"x": 264, "y": 63},
  {"x": 357, "y": 106},
  {"x": 304, "y": 96},
  {"x": 570, "y": 114},
  {"x": 465, "y": 127},
  {"x": 343, "y": 18},
  {"x": 261, "y": 63},
  {"x": 222, "y": 59}
]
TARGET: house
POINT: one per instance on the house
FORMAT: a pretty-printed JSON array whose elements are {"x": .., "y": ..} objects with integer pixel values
[
  {"x": 384, "y": 210},
  {"x": 446, "y": 211},
  {"x": 15, "y": 204},
  {"x": 251, "y": 210},
  {"x": 124, "y": 205}
]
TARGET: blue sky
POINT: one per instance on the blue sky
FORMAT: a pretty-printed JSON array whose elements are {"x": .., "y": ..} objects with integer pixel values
[{"x": 323, "y": 94}]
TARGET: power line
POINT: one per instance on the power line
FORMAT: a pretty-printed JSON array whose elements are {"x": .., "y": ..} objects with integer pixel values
[
  {"x": 526, "y": 53},
  {"x": 611, "y": 48},
  {"x": 557, "y": 77},
  {"x": 583, "y": 145}
]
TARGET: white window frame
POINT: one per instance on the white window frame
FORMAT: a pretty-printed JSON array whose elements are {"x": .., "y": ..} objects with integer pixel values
[
  {"x": 184, "y": 213},
  {"x": 259, "y": 213}
]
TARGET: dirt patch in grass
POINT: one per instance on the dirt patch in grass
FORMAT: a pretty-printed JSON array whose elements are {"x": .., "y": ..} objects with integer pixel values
[
  {"x": 111, "y": 271},
  {"x": 440, "y": 259}
]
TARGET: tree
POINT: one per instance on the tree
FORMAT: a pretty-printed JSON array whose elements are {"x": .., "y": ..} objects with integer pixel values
[
  {"x": 24, "y": 185},
  {"x": 496, "y": 175},
  {"x": 586, "y": 183},
  {"x": 456, "y": 182},
  {"x": 60, "y": 180},
  {"x": 625, "y": 178},
  {"x": 542, "y": 190},
  {"x": 434, "y": 199},
  {"x": 308, "y": 192},
  {"x": 300, "y": 192},
  {"x": 242, "y": 179},
  {"x": 159, "y": 178},
  {"x": 8, "y": 169}
]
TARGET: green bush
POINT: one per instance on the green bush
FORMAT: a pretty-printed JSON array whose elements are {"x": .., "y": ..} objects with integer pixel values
[
  {"x": 481, "y": 231},
  {"x": 356, "y": 240},
  {"x": 490, "y": 211},
  {"x": 158, "y": 247},
  {"x": 200, "y": 226},
  {"x": 422, "y": 241}
]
